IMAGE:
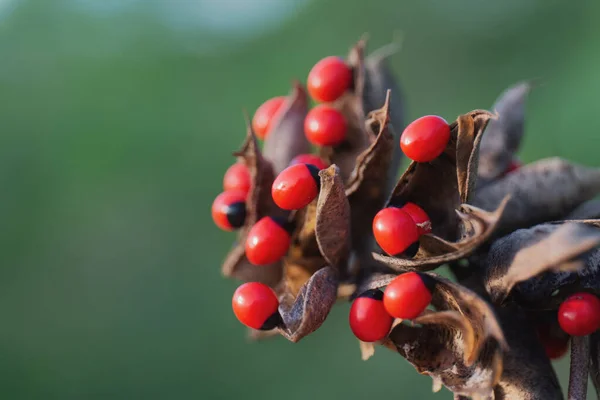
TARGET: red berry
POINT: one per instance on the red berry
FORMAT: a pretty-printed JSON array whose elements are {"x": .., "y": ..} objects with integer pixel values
[
  {"x": 325, "y": 126},
  {"x": 267, "y": 242},
  {"x": 425, "y": 138},
  {"x": 229, "y": 210},
  {"x": 261, "y": 122},
  {"x": 394, "y": 230},
  {"x": 255, "y": 305},
  {"x": 329, "y": 79},
  {"x": 368, "y": 319},
  {"x": 237, "y": 177},
  {"x": 513, "y": 166},
  {"x": 407, "y": 296},
  {"x": 579, "y": 314},
  {"x": 419, "y": 216},
  {"x": 309, "y": 159},
  {"x": 555, "y": 345},
  {"x": 296, "y": 186}
]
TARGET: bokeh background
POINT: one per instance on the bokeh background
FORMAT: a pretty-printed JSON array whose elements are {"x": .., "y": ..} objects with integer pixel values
[{"x": 117, "y": 120}]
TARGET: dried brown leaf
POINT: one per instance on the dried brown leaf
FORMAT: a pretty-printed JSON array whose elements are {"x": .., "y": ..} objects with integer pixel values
[
  {"x": 307, "y": 312},
  {"x": 286, "y": 138},
  {"x": 533, "y": 263},
  {"x": 333, "y": 218},
  {"x": 503, "y": 136},
  {"x": 542, "y": 191},
  {"x": 259, "y": 204},
  {"x": 476, "y": 226},
  {"x": 440, "y": 186}
]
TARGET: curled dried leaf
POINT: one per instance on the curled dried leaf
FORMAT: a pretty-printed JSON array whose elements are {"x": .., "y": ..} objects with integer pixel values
[
  {"x": 306, "y": 312},
  {"x": 286, "y": 138},
  {"x": 476, "y": 226},
  {"x": 542, "y": 191},
  {"x": 503, "y": 136},
  {"x": 531, "y": 264},
  {"x": 332, "y": 228},
  {"x": 259, "y": 204},
  {"x": 440, "y": 186},
  {"x": 366, "y": 185}
]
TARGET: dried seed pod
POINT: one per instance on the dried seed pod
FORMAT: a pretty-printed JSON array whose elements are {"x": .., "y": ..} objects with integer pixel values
[
  {"x": 366, "y": 185},
  {"x": 378, "y": 81},
  {"x": 460, "y": 344},
  {"x": 286, "y": 139},
  {"x": 477, "y": 226},
  {"x": 542, "y": 191},
  {"x": 259, "y": 204},
  {"x": 503, "y": 136},
  {"x": 440, "y": 187},
  {"x": 530, "y": 265}
]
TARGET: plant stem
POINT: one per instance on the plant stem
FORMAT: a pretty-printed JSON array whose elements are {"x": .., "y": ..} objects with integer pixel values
[{"x": 578, "y": 378}]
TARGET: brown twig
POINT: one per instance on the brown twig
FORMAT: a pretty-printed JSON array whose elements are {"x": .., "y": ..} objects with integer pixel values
[{"x": 578, "y": 375}]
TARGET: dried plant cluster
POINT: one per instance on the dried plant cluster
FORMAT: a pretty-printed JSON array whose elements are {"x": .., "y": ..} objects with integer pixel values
[{"x": 517, "y": 243}]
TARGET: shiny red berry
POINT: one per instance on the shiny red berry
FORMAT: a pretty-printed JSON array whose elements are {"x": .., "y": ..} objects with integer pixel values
[
  {"x": 408, "y": 295},
  {"x": 237, "y": 177},
  {"x": 556, "y": 344},
  {"x": 368, "y": 319},
  {"x": 329, "y": 79},
  {"x": 419, "y": 216},
  {"x": 264, "y": 115},
  {"x": 309, "y": 159},
  {"x": 229, "y": 210},
  {"x": 255, "y": 305},
  {"x": 425, "y": 138},
  {"x": 394, "y": 230},
  {"x": 296, "y": 186},
  {"x": 267, "y": 242},
  {"x": 579, "y": 314},
  {"x": 325, "y": 126}
]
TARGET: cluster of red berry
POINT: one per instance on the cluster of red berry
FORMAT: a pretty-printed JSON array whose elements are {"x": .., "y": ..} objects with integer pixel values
[{"x": 396, "y": 228}]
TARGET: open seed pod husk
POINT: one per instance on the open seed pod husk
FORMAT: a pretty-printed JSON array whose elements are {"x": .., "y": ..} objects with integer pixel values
[
  {"x": 442, "y": 187},
  {"x": 460, "y": 344}
]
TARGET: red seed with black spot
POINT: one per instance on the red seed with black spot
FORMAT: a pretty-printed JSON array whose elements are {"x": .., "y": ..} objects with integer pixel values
[
  {"x": 408, "y": 295},
  {"x": 237, "y": 177},
  {"x": 296, "y": 186},
  {"x": 229, "y": 210},
  {"x": 267, "y": 242},
  {"x": 369, "y": 321},
  {"x": 419, "y": 216},
  {"x": 256, "y": 306}
]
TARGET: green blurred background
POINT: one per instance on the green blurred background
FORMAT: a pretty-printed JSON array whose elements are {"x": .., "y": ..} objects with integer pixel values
[{"x": 117, "y": 121}]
